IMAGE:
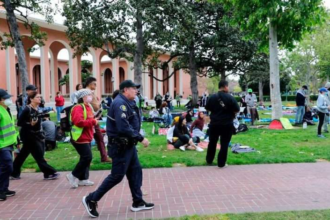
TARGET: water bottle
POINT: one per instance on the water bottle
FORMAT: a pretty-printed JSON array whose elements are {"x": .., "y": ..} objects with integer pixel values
[{"x": 305, "y": 125}]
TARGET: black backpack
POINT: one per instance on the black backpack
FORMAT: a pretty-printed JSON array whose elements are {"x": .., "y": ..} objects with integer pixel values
[
  {"x": 65, "y": 123},
  {"x": 242, "y": 128}
]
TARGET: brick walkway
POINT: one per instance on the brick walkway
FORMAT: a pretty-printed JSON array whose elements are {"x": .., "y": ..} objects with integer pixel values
[{"x": 179, "y": 191}]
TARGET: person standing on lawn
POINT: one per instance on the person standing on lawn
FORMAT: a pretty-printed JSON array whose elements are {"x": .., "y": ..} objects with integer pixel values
[
  {"x": 90, "y": 83},
  {"x": 326, "y": 117},
  {"x": 33, "y": 139},
  {"x": 83, "y": 123},
  {"x": 223, "y": 108},
  {"x": 8, "y": 138},
  {"x": 59, "y": 103},
  {"x": 251, "y": 101},
  {"x": 323, "y": 109},
  {"x": 123, "y": 130},
  {"x": 301, "y": 103}
]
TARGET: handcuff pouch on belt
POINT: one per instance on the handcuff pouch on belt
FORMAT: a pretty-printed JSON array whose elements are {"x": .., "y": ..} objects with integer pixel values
[{"x": 123, "y": 142}]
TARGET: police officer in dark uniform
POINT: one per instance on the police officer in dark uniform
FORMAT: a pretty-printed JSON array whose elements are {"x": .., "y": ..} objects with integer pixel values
[
  {"x": 223, "y": 108},
  {"x": 123, "y": 130}
]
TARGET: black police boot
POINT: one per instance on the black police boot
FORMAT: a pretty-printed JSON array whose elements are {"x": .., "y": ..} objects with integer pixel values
[
  {"x": 90, "y": 207},
  {"x": 142, "y": 205},
  {"x": 10, "y": 193},
  {"x": 3, "y": 196}
]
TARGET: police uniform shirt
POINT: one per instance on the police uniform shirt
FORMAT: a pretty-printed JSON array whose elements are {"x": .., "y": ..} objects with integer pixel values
[
  {"x": 222, "y": 114},
  {"x": 124, "y": 119}
]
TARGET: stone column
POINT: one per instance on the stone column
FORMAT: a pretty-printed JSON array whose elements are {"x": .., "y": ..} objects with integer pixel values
[{"x": 45, "y": 73}]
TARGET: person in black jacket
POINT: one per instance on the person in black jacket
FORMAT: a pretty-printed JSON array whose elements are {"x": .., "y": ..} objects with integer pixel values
[
  {"x": 33, "y": 140},
  {"x": 184, "y": 138},
  {"x": 223, "y": 108},
  {"x": 301, "y": 102}
]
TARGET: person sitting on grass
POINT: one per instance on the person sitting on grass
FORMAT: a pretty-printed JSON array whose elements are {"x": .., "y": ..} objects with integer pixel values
[
  {"x": 184, "y": 138},
  {"x": 197, "y": 126},
  {"x": 166, "y": 114},
  {"x": 153, "y": 113},
  {"x": 188, "y": 116},
  {"x": 169, "y": 135}
]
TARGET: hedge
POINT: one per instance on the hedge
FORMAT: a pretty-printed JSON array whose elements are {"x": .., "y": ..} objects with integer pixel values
[{"x": 290, "y": 98}]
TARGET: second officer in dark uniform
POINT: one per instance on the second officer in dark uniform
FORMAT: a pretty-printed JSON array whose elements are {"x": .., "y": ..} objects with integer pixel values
[{"x": 123, "y": 130}]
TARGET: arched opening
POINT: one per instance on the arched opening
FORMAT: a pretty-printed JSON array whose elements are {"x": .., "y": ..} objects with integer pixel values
[
  {"x": 86, "y": 66},
  {"x": 151, "y": 83},
  {"x": 61, "y": 64},
  {"x": 166, "y": 82},
  {"x": 121, "y": 75},
  {"x": 36, "y": 74},
  {"x": 59, "y": 74},
  {"x": 108, "y": 81},
  {"x": 67, "y": 85}
]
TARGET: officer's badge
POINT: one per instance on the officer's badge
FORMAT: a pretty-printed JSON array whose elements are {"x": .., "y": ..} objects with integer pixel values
[
  {"x": 123, "y": 115},
  {"x": 123, "y": 108}
]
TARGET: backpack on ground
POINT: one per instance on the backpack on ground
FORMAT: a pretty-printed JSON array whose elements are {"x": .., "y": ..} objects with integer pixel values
[{"x": 242, "y": 128}]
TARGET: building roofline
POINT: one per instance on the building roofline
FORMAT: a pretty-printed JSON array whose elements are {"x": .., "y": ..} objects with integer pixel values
[{"x": 40, "y": 22}]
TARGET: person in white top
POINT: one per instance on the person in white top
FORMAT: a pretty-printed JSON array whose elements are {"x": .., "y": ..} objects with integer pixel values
[{"x": 73, "y": 97}]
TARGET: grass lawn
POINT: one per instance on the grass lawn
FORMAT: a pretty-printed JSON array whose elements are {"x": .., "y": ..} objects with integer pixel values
[
  {"x": 295, "y": 215},
  {"x": 273, "y": 146}
]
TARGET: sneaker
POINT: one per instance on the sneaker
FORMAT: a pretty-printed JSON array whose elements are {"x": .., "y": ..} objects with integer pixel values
[
  {"x": 52, "y": 177},
  {"x": 108, "y": 160},
  {"x": 10, "y": 193},
  {"x": 90, "y": 207},
  {"x": 85, "y": 183},
  {"x": 199, "y": 149},
  {"x": 321, "y": 136},
  {"x": 182, "y": 148},
  {"x": 226, "y": 165},
  {"x": 72, "y": 180},
  {"x": 15, "y": 177},
  {"x": 3, "y": 196},
  {"x": 139, "y": 206}
]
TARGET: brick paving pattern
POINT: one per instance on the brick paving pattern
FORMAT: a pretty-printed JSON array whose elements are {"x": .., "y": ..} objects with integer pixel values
[{"x": 178, "y": 192}]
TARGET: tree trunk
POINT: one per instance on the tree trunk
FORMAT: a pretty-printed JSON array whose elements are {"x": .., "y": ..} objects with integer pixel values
[
  {"x": 275, "y": 93},
  {"x": 139, "y": 51},
  {"x": 15, "y": 34},
  {"x": 193, "y": 75},
  {"x": 261, "y": 91},
  {"x": 223, "y": 75}
]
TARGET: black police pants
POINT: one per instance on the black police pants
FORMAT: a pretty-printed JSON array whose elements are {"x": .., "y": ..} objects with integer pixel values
[
  {"x": 81, "y": 171},
  {"x": 36, "y": 147},
  {"x": 124, "y": 162},
  {"x": 6, "y": 167},
  {"x": 225, "y": 132}
]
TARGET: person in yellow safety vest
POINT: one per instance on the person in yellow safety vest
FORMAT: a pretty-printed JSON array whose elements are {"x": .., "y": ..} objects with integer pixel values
[
  {"x": 82, "y": 131},
  {"x": 8, "y": 138}
]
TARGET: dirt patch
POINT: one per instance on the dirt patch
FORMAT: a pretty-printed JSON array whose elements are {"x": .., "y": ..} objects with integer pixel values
[
  {"x": 179, "y": 165},
  {"x": 29, "y": 171},
  {"x": 322, "y": 161}
]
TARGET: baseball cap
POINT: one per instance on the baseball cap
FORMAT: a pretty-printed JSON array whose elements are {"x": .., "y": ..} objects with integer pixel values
[
  {"x": 323, "y": 89},
  {"x": 305, "y": 87},
  {"x": 250, "y": 90},
  {"x": 4, "y": 94},
  {"x": 31, "y": 87},
  {"x": 127, "y": 84}
]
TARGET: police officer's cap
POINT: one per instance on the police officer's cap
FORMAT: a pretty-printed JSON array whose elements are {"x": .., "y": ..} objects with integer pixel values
[
  {"x": 31, "y": 87},
  {"x": 4, "y": 94},
  {"x": 127, "y": 84}
]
